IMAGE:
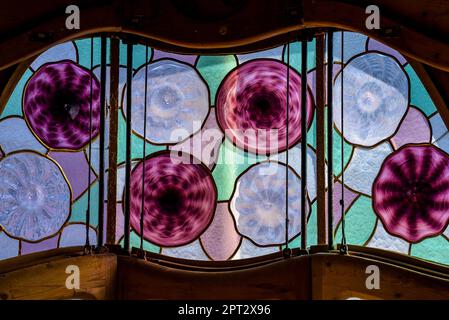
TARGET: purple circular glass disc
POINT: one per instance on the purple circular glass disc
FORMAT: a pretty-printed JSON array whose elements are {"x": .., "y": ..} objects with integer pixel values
[
  {"x": 411, "y": 192},
  {"x": 253, "y": 97},
  {"x": 57, "y": 105},
  {"x": 179, "y": 200}
]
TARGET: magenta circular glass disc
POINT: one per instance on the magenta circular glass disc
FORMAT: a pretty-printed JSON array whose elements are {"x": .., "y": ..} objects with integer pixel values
[
  {"x": 179, "y": 198},
  {"x": 57, "y": 105},
  {"x": 411, "y": 192},
  {"x": 252, "y": 100}
]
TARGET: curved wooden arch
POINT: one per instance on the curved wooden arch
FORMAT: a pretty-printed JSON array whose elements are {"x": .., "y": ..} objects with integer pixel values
[{"x": 418, "y": 29}]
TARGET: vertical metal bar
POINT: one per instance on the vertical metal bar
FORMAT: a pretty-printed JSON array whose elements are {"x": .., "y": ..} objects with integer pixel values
[
  {"x": 102, "y": 133},
  {"x": 303, "y": 144},
  {"x": 144, "y": 150},
  {"x": 320, "y": 143},
  {"x": 286, "y": 154},
  {"x": 330, "y": 123},
  {"x": 113, "y": 134},
  {"x": 343, "y": 247},
  {"x": 129, "y": 74}
]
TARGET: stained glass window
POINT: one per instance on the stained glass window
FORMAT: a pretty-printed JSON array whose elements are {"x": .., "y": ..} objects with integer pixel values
[
  {"x": 395, "y": 159},
  {"x": 196, "y": 104},
  {"x": 196, "y": 97},
  {"x": 44, "y": 161}
]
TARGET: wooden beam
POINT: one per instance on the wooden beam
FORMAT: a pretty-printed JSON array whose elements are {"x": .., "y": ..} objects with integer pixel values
[
  {"x": 47, "y": 280},
  {"x": 320, "y": 143},
  {"x": 339, "y": 277},
  {"x": 113, "y": 140},
  {"x": 284, "y": 279},
  {"x": 320, "y": 275},
  {"x": 423, "y": 40}
]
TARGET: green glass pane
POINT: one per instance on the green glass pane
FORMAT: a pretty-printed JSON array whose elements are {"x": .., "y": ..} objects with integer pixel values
[
  {"x": 83, "y": 46},
  {"x": 312, "y": 228},
  {"x": 312, "y": 231},
  {"x": 419, "y": 96},
  {"x": 311, "y": 134},
  {"x": 337, "y": 150},
  {"x": 434, "y": 249},
  {"x": 14, "y": 104},
  {"x": 337, "y": 153},
  {"x": 231, "y": 162},
  {"x": 79, "y": 207},
  {"x": 360, "y": 222},
  {"x": 138, "y": 55},
  {"x": 295, "y": 55},
  {"x": 136, "y": 143},
  {"x": 214, "y": 69},
  {"x": 295, "y": 243},
  {"x": 134, "y": 241}
]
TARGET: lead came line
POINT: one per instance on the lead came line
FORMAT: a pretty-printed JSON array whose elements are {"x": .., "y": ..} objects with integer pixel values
[
  {"x": 102, "y": 133},
  {"x": 87, "y": 243},
  {"x": 129, "y": 74}
]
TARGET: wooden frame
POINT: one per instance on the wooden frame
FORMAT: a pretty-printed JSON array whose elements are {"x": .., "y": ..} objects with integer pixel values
[
  {"x": 319, "y": 275},
  {"x": 43, "y": 276}
]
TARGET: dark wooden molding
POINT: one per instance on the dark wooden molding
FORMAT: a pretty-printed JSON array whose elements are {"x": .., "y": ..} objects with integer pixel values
[
  {"x": 45, "y": 277},
  {"x": 322, "y": 274},
  {"x": 255, "y": 25}
]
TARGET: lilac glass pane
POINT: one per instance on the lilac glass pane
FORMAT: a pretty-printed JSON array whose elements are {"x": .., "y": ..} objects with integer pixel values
[
  {"x": 349, "y": 197},
  {"x": 57, "y": 105},
  {"x": 61, "y": 51},
  {"x": 253, "y": 97},
  {"x": 9, "y": 247},
  {"x": 15, "y": 135},
  {"x": 221, "y": 239},
  {"x": 75, "y": 167},
  {"x": 179, "y": 199},
  {"x": 191, "y": 251},
  {"x": 75, "y": 235},
  {"x": 415, "y": 128},
  {"x": 274, "y": 53},
  {"x": 28, "y": 247},
  {"x": 378, "y": 46},
  {"x": 411, "y": 192},
  {"x": 190, "y": 59}
]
